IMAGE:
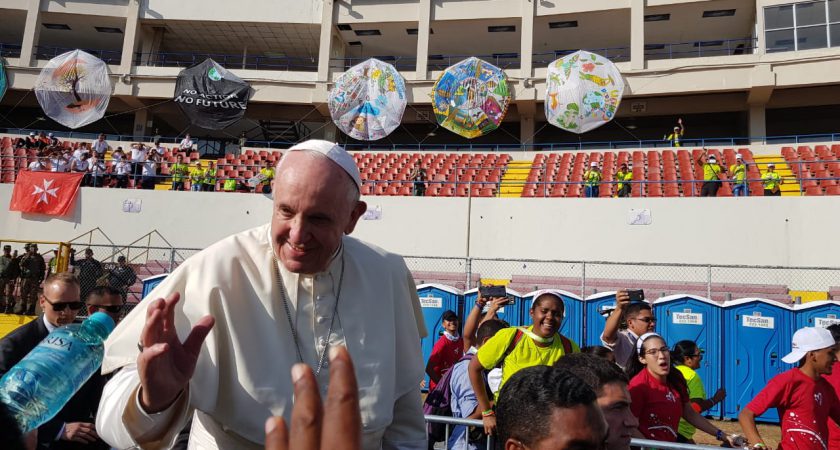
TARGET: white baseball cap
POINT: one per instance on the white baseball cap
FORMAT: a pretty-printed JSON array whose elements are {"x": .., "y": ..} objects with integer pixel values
[
  {"x": 593, "y": 164},
  {"x": 336, "y": 154},
  {"x": 738, "y": 156},
  {"x": 807, "y": 340},
  {"x": 712, "y": 158},
  {"x": 771, "y": 165}
]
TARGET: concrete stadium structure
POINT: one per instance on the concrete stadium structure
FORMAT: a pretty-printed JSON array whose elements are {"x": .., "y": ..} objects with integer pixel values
[{"x": 717, "y": 63}]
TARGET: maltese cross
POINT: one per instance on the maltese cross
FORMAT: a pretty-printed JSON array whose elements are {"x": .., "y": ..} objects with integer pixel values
[{"x": 45, "y": 191}]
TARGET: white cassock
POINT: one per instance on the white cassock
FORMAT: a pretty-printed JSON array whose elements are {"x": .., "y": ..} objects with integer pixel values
[{"x": 243, "y": 372}]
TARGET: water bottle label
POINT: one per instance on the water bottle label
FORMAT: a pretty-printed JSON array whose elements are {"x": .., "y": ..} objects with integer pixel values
[{"x": 58, "y": 343}]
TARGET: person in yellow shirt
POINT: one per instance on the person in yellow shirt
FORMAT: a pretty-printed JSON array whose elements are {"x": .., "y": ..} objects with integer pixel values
[
  {"x": 687, "y": 356},
  {"x": 592, "y": 181},
  {"x": 178, "y": 171},
  {"x": 678, "y": 133},
  {"x": 268, "y": 172},
  {"x": 196, "y": 177},
  {"x": 208, "y": 184},
  {"x": 738, "y": 172},
  {"x": 711, "y": 175},
  {"x": 772, "y": 182},
  {"x": 516, "y": 348},
  {"x": 624, "y": 176}
]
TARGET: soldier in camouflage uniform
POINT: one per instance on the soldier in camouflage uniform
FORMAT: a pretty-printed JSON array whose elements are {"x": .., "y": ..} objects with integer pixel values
[
  {"x": 7, "y": 277},
  {"x": 32, "y": 271}
]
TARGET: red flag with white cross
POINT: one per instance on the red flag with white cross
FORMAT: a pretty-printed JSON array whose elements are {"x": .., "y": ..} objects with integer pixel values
[{"x": 49, "y": 193}]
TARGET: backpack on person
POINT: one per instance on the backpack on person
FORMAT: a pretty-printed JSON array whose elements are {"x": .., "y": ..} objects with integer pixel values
[{"x": 439, "y": 403}]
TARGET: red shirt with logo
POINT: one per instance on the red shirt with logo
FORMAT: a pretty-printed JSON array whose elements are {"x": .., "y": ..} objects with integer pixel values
[
  {"x": 805, "y": 406},
  {"x": 657, "y": 405},
  {"x": 445, "y": 354},
  {"x": 833, "y": 429}
]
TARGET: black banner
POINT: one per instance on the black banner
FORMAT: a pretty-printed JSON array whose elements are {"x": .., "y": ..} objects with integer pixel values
[{"x": 211, "y": 96}]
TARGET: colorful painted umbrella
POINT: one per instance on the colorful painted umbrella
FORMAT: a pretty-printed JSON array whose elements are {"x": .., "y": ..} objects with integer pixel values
[
  {"x": 583, "y": 91},
  {"x": 471, "y": 98},
  {"x": 74, "y": 89},
  {"x": 368, "y": 101}
]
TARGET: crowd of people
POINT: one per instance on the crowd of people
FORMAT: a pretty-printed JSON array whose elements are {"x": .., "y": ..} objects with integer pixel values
[
  {"x": 142, "y": 163},
  {"x": 298, "y": 295},
  {"x": 643, "y": 387}
]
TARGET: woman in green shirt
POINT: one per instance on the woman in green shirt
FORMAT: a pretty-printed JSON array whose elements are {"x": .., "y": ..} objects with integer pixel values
[
  {"x": 687, "y": 356},
  {"x": 516, "y": 348}
]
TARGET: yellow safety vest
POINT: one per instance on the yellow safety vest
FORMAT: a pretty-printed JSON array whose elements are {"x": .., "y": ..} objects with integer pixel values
[
  {"x": 771, "y": 180},
  {"x": 592, "y": 177},
  {"x": 230, "y": 185},
  {"x": 628, "y": 176},
  {"x": 178, "y": 171}
]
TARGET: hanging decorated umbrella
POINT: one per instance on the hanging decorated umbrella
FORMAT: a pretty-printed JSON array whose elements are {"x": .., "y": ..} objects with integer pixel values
[
  {"x": 471, "y": 98},
  {"x": 583, "y": 91},
  {"x": 74, "y": 89},
  {"x": 3, "y": 82},
  {"x": 368, "y": 101},
  {"x": 211, "y": 96}
]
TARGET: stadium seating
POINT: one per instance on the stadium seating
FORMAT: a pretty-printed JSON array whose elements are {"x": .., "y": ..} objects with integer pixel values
[
  {"x": 818, "y": 169},
  {"x": 669, "y": 173},
  {"x": 663, "y": 173}
]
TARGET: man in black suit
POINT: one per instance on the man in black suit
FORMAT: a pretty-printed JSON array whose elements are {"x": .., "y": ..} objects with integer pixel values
[{"x": 73, "y": 427}]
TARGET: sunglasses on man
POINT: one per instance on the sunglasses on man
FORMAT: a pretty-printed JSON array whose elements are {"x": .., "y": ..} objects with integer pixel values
[{"x": 61, "y": 306}]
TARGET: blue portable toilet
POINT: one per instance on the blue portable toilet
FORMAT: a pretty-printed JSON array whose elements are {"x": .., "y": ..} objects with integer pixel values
[
  {"x": 757, "y": 335},
  {"x": 511, "y": 314},
  {"x": 435, "y": 299},
  {"x": 150, "y": 283},
  {"x": 690, "y": 317},
  {"x": 573, "y": 322},
  {"x": 597, "y": 307},
  {"x": 819, "y": 314}
]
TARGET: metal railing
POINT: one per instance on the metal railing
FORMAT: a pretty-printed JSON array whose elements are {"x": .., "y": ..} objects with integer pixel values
[
  {"x": 644, "y": 443},
  {"x": 489, "y": 148},
  {"x": 152, "y": 255},
  {"x": 507, "y": 60},
  {"x": 50, "y": 52},
  {"x": 10, "y": 50},
  {"x": 240, "y": 61}
]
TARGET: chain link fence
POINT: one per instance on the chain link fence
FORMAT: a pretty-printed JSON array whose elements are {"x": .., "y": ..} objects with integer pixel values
[
  {"x": 584, "y": 278},
  {"x": 125, "y": 266}
]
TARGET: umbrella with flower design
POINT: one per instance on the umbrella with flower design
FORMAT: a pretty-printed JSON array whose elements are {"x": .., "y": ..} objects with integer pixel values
[
  {"x": 471, "y": 98},
  {"x": 583, "y": 91},
  {"x": 368, "y": 101}
]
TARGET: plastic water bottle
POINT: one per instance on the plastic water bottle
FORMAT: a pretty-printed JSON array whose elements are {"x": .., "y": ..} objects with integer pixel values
[{"x": 37, "y": 387}]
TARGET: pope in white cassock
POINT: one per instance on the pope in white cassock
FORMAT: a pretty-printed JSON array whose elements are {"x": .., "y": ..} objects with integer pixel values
[{"x": 239, "y": 314}]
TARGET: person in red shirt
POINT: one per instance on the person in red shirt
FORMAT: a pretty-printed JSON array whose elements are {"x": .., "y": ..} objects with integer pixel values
[
  {"x": 660, "y": 395},
  {"x": 805, "y": 400},
  {"x": 834, "y": 380},
  {"x": 447, "y": 350}
]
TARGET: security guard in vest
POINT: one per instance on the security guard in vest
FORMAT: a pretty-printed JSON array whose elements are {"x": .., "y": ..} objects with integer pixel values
[
  {"x": 772, "y": 182},
  {"x": 624, "y": 176},
  {"x": 592, "y": 181},
  {"x": 179, "y": 171}
]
